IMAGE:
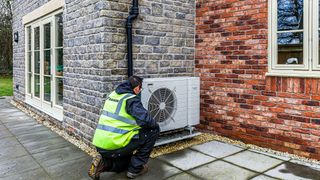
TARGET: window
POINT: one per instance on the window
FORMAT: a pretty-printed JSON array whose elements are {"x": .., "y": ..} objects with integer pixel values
[
  {"x": 44, "y": 64},
  {"x": 293, "y": 38}
]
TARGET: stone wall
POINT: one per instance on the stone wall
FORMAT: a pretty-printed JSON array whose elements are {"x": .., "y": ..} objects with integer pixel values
[
  {"x": 95, "y": 51},
  {"x": 237, "y": 99}
]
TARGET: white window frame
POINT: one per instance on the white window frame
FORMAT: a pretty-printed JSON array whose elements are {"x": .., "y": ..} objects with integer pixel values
[
  {"x": 50, "y": 108},
  {"x": 316, "y": 29},
  {"x": 310, "y": 66}
]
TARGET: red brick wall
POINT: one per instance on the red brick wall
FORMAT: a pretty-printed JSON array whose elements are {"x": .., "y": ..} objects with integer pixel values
[{"x": 237, "y": 99}]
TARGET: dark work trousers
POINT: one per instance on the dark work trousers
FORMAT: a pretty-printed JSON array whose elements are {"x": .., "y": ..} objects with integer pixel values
[{"x": 124, "y": 158}]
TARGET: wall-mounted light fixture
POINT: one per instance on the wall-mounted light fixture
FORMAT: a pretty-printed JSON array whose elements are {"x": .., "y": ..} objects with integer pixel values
[{"x": 16, "y": 37}]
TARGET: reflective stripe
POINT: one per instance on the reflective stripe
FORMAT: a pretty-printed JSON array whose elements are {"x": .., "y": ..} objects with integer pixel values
[
  {"x": 120, "y": 103},
  {"x": 120, "y": 118},
  {"x": 111, "y": 129}
]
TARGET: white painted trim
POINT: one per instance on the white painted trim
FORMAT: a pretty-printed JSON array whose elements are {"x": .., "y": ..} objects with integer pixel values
[
  {"x": 315, "y": 34},
  {"x": 56, "y": 112},
  {"x": 270, "y": 54},
  {"x": 306, "y": 74},
  {"x": 49, "y": 108},
  {"x": 47, "y": 8},
  {"x": 310, "y": 43}
]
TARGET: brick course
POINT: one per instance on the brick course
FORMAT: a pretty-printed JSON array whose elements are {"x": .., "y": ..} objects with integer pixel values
[{"x": 237, "y": 99}]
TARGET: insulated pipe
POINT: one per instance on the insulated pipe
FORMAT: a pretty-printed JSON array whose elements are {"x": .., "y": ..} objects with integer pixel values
[{"x": 134, "y": 12}]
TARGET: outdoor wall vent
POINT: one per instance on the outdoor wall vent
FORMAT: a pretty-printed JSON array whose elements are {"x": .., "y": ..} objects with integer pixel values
[{"x": 174, "y": 103}]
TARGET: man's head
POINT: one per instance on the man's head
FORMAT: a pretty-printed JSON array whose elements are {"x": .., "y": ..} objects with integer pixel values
[{"x": 136, "y": 84}]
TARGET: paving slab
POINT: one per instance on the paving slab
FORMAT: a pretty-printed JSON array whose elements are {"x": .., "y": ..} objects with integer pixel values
[
  {"x": 293, "y": 171},
  {"x": 38, "y": 174},
  {"x": 157, "y": 170},
  {"x": 4, "y": 132},
  {"x": 17, "y": 119},
  {"x": 2, "y": 127},
  {"x": 263, "y": 177},
  {"x": 17, "y": 165},
  {"x": 183, "y": 176},
  {"x": 37, "y": 136},
  {"x": 46, "y": 145},
  {"x": 14, "y": 114},
  {"x": 284, "y": 158},
  {"x": 57, "y": 156},
  {"x": 6, "y": 107},
  {"x": 8, "y": 141},
  {"x": 76, "y": 169},
  {"x": 222, "y": 170},
  {"x": 253, "y": 161},
  {"x": 22, "y": 130},
  {"x": 20, "y": 123},
  {"x": 217, "y": 149},
  {"x": 311, "y": 165},
  {"x": 4, "y": 111},
  {"x": 114, "y": 175},
  {"x": 186, "y": 159},
  {"x": 12, "y": 152}
]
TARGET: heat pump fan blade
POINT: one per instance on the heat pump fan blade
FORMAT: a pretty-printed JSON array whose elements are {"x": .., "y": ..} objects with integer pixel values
[{"x": 162, "y": 104}]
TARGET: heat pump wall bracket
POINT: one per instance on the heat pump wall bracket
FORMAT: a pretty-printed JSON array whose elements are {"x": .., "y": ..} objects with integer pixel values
[{"x": 177, "y": 136}]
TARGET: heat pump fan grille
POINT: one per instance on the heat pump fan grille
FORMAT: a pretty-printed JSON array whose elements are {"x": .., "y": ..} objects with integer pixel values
[{"x": 161, "y": 104}]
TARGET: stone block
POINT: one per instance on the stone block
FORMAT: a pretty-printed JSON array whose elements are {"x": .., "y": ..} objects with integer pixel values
[
  {"x": 152, "y": 41},
  {"x": 157, "y": 9}
]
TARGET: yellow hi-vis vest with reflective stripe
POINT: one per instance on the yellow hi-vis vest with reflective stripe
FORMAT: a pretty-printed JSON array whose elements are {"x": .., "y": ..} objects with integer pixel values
[{"x": 116, "y": 127}]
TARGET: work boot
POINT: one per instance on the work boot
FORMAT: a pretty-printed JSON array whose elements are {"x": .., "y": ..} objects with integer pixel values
[
  {"x": 134, "y": 175},
  {"x": 96, "y": 167}
]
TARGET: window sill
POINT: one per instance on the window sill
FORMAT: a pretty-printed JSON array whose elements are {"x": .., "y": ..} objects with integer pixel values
[
  {"x": 55, "y": 112},
  {"x": 302, "y": 74}
]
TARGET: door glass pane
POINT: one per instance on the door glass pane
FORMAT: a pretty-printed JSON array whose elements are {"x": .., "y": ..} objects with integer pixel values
[
  {"x": 290, "y": 48},
  {"x": 47, "y": 36},
  {"x": 47, "y": 89},
  {"x": 29, "y": 82},
  {"x": 47, "y": 62},
  {"x": 59, "y": 91},
  {"x": 36, "y": 38},
  {"x": 59, "y": 22},
  {"x": 59, "y": 61},
  {"x": 290, "y": 14},
  {"x": 37, "y": 62},
  {"x": 37, "y": 85}
]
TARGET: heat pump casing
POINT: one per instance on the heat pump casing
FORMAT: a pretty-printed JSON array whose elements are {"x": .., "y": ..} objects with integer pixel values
[{"x": 158, "y": 94}]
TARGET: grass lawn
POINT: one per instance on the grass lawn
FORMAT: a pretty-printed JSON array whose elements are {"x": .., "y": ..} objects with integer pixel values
[{"x": 6, "y": 88}]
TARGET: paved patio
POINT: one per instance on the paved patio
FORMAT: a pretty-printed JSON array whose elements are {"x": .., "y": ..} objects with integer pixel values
[{"x": 31, "y": 151}]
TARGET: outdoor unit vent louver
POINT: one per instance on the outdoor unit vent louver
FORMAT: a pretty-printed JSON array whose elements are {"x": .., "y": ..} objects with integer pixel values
[
  {"x": 162, "y": 104},
  {"x": 173, "y": 102}
]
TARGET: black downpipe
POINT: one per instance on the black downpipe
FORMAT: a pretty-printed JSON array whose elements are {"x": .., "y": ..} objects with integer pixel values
[{"x": 134, "y": 12}]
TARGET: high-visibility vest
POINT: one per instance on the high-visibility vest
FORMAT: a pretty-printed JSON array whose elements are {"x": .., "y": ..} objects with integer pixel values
[{"x": 116, "y": 127}]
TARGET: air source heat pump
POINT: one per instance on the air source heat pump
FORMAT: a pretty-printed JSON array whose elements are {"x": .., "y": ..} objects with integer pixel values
[{"x": 174, "y": 103}]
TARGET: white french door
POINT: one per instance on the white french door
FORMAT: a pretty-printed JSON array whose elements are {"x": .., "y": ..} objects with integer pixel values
[{"x": 44, "y": 65}]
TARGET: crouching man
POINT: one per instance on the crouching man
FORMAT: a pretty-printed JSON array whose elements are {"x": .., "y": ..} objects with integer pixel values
[{"x": 124, "y": 127}]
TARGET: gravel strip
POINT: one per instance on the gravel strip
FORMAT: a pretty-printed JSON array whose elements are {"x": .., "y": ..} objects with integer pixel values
[{"x": 165, "y": 149}]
